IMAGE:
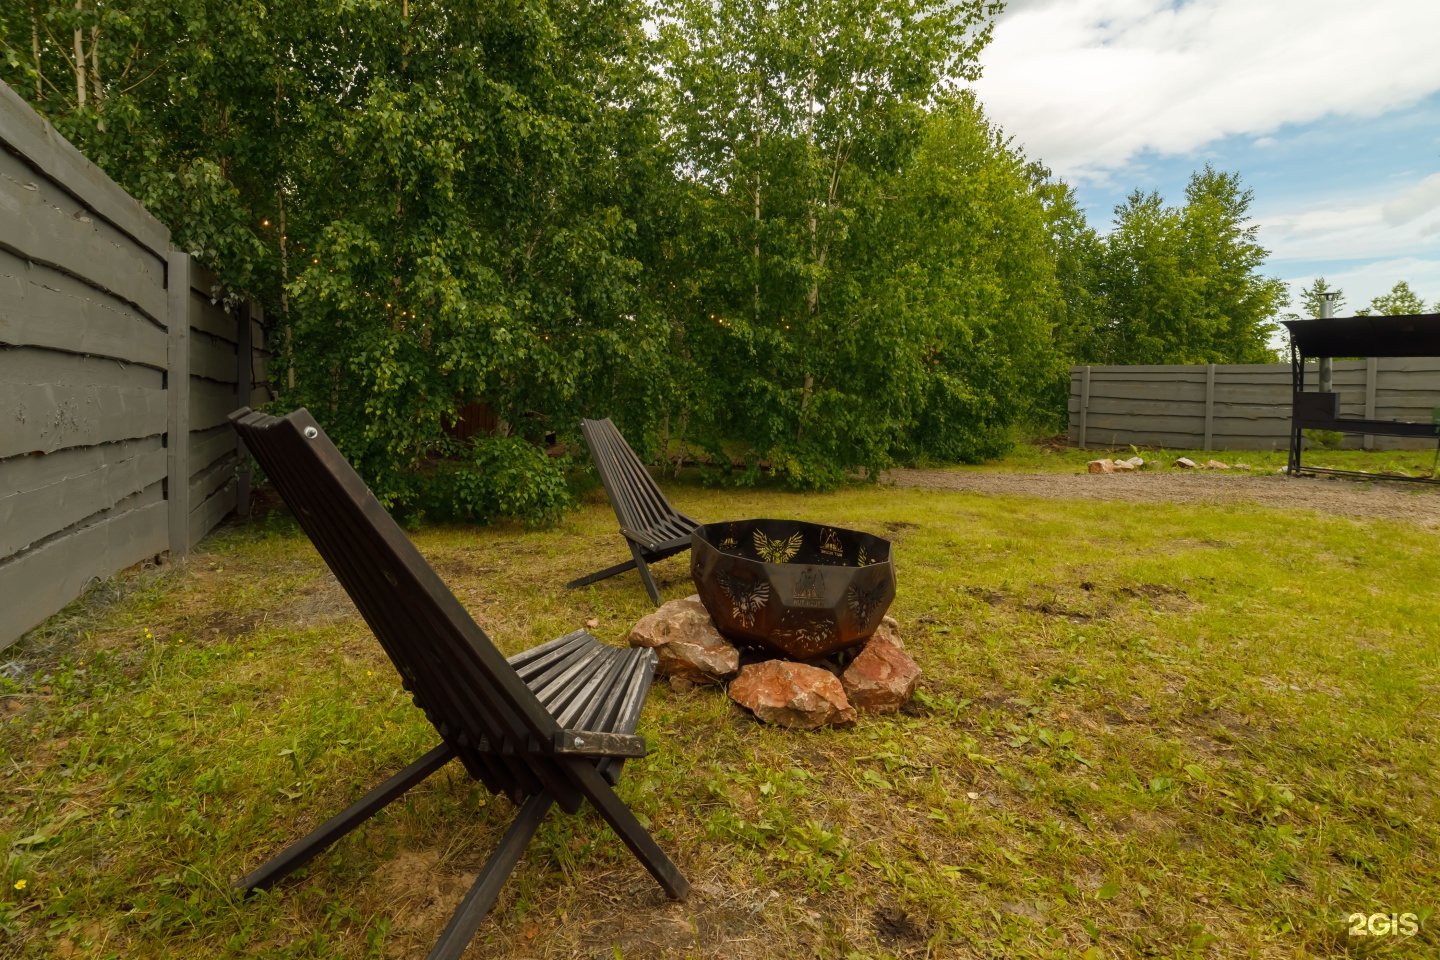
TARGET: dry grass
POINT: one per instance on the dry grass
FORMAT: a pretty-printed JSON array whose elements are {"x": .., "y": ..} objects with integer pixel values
[{"x": 1145, "y": 730}]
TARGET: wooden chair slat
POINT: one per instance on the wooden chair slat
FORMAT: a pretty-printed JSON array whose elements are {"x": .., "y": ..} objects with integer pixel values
[
  {"x": 527, "y": 656},
  {"x": 556, "y": 654},
  {"x": 557, "y": 684},
  {"x": 604, "y": 708},
  {"x": 592, "y": 692}
]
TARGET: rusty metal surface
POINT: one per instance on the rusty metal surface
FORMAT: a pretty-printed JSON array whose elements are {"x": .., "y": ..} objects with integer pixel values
[{"x": 795, "y": 589}]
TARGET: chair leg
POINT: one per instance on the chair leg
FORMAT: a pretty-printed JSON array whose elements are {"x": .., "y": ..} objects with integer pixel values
[
  {"x": 313, "y": 844},
  {"x": 477, "y": 903},
  {"x": 623, "y": 822},
  {"x": 605, "y": 574},
  {"x": 644, "y": 569}
]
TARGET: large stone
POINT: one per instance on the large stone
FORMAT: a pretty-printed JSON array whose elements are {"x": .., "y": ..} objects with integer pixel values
[
  {"x": 792, "y": 694},
  {"x": 1101, "y": 466},
  {"x": 1122, "y": 465},
  {"x": 881, "y": 678},
  {"x": 1216, "y": 465},
  {"x": 1185, "y": 463},
  {"x": 686, "y": 641}
]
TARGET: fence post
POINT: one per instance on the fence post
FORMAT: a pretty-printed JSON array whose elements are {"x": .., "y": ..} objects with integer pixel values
[
  {"x": 1084, "y": 406},
  {"x": 177, "y": 386},
  {"x": 1209, "y": 404},
  {"x": 244, "y": 378},
  {"x": 1372, "y": 375}
]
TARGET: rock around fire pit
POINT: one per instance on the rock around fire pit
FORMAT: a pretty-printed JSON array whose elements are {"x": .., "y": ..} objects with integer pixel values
[
  {"x": 824, "y": 692},
  {"x": 800, "y": 590}
]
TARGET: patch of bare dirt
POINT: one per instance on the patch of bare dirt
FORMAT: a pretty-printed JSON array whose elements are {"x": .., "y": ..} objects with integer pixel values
[
  {"x": 1343, "y": 497},
  {"x": 422, "y": 896},
  {"x": 320, "y": 603}
]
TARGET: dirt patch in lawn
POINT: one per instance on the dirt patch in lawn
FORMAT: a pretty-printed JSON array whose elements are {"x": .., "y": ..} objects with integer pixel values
[{"x": 1344, "y": 497}]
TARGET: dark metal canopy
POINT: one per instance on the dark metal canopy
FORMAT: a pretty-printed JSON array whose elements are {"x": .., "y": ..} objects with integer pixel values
[{"x": 1411, "y": 335}]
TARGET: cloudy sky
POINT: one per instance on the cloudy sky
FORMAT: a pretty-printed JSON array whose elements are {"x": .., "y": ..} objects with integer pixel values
[{"x": 1329, "y": 109}]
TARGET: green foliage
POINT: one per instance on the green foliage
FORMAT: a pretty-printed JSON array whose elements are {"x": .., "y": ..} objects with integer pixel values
[
  {"x": 1314, "y": 295},
  {"x": 1183, "y": 284},
  {"x": 1325, "y": 439},
  {"x": 835, "y": 199},
  {"x": 497, "y": 477},
  {"x": 1400, "y": 301}
]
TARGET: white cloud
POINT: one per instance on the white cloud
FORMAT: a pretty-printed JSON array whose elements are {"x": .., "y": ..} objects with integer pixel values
[
  {"x": 1085, "y": 85},
  {"x": 1414, "y": 203}
]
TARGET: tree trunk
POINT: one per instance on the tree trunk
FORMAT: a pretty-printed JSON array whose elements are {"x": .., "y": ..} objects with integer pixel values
[
  {"x": 80, "y": 92},
  {"x": 680, "y": 456},
  {"x": 805, "y": 403},
  {"x": 96, "y": 86},
  {"x": 759, "y": 103},
  {"x": 35, "y": 49}
]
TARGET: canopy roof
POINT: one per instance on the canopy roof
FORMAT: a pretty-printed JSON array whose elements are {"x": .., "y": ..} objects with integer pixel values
[{"x": 1412, "y": 335}]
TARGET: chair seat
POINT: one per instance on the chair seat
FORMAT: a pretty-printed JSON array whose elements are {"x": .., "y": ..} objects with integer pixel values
[{"x": 586, "y": 684}]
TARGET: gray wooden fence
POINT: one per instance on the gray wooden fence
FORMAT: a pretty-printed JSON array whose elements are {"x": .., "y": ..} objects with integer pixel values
[
  {"x": 118, "y": 364},
  {"x": 1240, "y": 406}
]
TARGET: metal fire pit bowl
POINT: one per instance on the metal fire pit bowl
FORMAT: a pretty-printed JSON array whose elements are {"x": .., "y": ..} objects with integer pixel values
[{"x": 799, "y": 590}]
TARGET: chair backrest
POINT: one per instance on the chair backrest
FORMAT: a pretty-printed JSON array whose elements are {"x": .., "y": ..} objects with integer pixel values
[
  {"x": 634, "y": 494},
  {"x": 472, "y": 695}
]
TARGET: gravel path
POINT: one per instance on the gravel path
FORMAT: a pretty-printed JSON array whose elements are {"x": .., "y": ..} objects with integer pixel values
[{"x": 1393, "y": 501}]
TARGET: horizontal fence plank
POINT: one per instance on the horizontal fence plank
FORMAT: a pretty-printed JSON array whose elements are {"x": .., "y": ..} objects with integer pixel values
[
  {"x": 32, "y": 137},
  {"x": 1406, "y": 365},
  {"x": 209, "y": 513},
  {"x": 211, "y": 403},
  {"x": 1148, "y": 390},
  {"x": 40, "y": 581},
  {"x": 1106, "y": 423},
  {"x": 1113, "y": 407},
  {"x": 42, "y": 495},
  {"x": 213, "y": 358},
  {"x": 212, "y": 477},
  {"x": 42, "y": 307},
  {"x": 57, "y": 400},
  {"x": 211, "y": 318},
  {"x": 39, "y": 221},
  {"x": 207, "y": 446}
]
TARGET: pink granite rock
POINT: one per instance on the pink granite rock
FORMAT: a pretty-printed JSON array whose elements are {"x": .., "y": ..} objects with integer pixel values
[
  {"x": 792, "y": 694},
  {"x": 686, "y": 641},
  {"x": 881, "y": 678}
]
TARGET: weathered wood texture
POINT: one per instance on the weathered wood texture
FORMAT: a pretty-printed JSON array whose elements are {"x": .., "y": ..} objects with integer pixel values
[
  {"x": 1247, "y": 406},
  {"x": 118, "y": 365}
]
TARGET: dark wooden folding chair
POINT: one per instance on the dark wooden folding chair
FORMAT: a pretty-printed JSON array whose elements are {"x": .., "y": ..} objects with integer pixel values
[
  {"x": 651, "y": 526},
  {"x": 551, "y": 725}
]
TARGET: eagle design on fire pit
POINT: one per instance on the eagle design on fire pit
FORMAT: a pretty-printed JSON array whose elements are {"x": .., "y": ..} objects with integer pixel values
[
  {"x": 746, "y": 597},
  {"x": 865, "y": 601},
  {"x": 777, "y": 551}
]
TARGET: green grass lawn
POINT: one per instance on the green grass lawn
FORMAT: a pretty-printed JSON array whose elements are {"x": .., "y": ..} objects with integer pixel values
[{"x": 1144, "y": 730}]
